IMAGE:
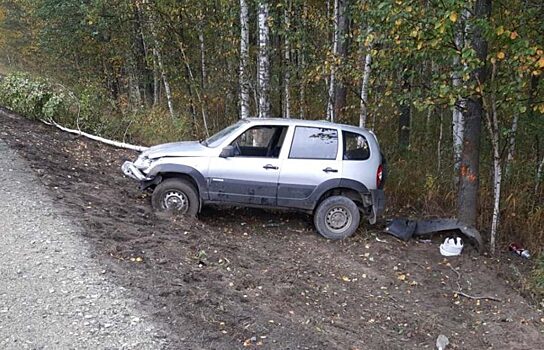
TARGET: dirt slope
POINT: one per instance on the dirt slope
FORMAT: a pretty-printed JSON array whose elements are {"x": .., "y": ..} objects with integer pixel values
[{"x": 249, "y": 278}]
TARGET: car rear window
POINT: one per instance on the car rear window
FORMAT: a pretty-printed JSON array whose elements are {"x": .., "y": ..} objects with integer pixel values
[
  {"x": 314, "y": 143},
  {"x": 355, "y": 146}
]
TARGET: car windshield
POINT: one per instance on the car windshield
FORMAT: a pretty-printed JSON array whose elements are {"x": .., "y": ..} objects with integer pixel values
[{"x": 215, "y": 140}]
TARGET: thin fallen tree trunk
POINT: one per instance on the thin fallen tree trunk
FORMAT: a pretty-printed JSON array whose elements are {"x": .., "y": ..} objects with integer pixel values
[{"x": 96, "y": 138}]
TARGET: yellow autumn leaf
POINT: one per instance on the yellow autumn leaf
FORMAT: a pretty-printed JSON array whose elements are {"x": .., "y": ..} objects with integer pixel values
[
  {"x": 500, "y": 30},
  {"x": 453, "y": 17},
  {"x": 414, "y": 33},
  {"x": 513, "y": 35},
  {"x": 419, "y": 45},
  {"x": 345, "y": 279},
  {"x": 501, "y": 55},
  {"x": 540, "y": 62},
  {"x": 401, "y": 277},
  {"x": 398, "y": 22}
]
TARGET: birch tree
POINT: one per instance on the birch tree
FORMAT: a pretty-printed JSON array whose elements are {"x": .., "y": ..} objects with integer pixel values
[
  {"x": 492, "y": 122},
  {"x": 263, "y": 65},
  {"x": 244, "y": 57},
  {"x": 467, "y": 199},
  {"x": 286, "y": 113},
  {"x": 367, "y": 62},
  {"x": 457, "y": 113}
]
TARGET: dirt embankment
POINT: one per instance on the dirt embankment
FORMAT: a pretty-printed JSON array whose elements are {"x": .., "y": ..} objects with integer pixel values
[{"x": 249, "y": 278}]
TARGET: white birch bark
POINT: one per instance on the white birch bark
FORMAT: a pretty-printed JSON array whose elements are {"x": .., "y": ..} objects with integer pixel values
[
  {"x": 167, "y": 89},
  {"x": 492, "y": 123},
  {"x": 263, "y": 73},
  {"x": 458, "y": 123},
  {"x": 511, "y": 144},
  {"x": 203, "y": 68},
  {"x": 244, "y": 57},
  {"x": 332, "y": 77},
  {"x": 302, "y": 65},
  {"x": 287, "y": 62},
  {"x": 113, "y": 143},
  {"x": 158, "y": 57},
  {"x": 364, "y": 89}
]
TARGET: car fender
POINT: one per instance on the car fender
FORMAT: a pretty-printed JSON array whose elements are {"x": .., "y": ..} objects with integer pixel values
[
  {"x": 334, "y": 184},
  {"x": 197, "y": 177}
]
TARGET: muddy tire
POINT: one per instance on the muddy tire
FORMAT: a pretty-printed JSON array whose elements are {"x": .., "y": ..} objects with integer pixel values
[
  {"x": 337, "y": 217},
  {"x": 176, "y": 195}
]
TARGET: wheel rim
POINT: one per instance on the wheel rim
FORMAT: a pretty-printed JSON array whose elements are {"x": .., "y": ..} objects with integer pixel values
[
  {"x": 176, "y": 200},
  {"x": 338, "y": 219}
]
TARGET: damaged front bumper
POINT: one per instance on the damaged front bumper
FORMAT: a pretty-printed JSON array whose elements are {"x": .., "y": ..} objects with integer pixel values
[{"x": 130, "y": 170}]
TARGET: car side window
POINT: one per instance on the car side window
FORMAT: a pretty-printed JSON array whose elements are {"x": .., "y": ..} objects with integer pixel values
[
  {"x": 260, "y": 141},
  {"x": 355, "y": 146},
  {"x": 314, "y": 143}
]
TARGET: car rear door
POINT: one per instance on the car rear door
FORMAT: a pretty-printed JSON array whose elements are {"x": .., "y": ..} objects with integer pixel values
[{"x": 313, "y": 161}]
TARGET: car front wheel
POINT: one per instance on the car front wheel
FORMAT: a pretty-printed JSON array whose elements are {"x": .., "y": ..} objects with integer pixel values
[
  {"x": 176, "y": 195},
  {"x": 337, "y": 217}
]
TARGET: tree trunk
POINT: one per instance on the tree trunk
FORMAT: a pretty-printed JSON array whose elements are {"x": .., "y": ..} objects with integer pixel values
[
  {"x": 363, "y": 115},
  {"x": 141, "y": 56},
  {"x": 196, "y": 89},
  {"x": 340, "y": 94},
  {"x": 167, "y": 89},
  {"x": 244, "y": 57},
  {"x": 467, "y": 199},
  {"x": 492, "y": 123},
  {"x": 287, "y": 62},
  {"x": 302, "y": 65},
  {"x": 439, "y": 144},
  {"x": 332, "y": 78},
  {"x": 263, "y": 74},
  {"x": 156, "y": 83},
  {"x": 458, "y": 123},
  {"x": 405, "y": 117}
]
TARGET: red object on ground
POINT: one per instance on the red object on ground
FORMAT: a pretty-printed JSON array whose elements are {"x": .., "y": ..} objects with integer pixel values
[{"x": 519, "y": 250}]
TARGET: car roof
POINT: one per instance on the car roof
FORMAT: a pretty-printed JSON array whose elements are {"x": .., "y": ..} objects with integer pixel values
[{"x": 304, "y": 122}]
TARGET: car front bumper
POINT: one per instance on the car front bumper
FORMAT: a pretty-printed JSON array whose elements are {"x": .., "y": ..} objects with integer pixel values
[{"x": 130, "y": 170}]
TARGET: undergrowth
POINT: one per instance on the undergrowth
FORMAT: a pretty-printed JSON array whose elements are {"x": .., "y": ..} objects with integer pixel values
[{"x": 87, "y": 110}]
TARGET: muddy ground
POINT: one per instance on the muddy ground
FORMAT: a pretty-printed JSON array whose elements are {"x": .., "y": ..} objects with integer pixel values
[{"x": 247, "y": 278}]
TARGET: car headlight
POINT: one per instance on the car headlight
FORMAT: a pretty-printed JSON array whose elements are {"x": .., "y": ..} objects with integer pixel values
[{"x": 143, "y": 162}]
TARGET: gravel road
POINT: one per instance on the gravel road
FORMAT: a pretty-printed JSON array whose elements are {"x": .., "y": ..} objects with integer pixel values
[{"x": 53, "y": 293}]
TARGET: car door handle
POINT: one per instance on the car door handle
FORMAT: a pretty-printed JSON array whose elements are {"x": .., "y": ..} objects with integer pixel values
[
  {"x": 270, "y": 167},
  {"x": 330, "y": 170}
]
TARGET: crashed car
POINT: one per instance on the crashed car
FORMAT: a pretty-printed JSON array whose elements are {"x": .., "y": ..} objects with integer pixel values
[{"x": 335, "y": 172}]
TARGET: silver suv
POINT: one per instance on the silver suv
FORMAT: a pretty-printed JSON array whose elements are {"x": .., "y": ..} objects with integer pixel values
[{"x": 335, "y": 172}]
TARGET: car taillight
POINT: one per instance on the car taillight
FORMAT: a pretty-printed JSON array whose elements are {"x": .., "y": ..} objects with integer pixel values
[{"x": 379, "y": 176}]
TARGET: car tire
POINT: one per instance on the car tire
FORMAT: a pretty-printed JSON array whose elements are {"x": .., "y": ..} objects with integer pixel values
[
  {"x": 337, "y": 217},
  {"x": 176, "y": 195}
]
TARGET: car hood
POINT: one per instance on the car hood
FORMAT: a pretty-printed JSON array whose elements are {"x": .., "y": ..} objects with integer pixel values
[{"x": 176, "y": 149}]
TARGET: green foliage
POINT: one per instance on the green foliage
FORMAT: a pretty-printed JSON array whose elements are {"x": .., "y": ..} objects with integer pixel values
[{"x": 35, "y": 98}]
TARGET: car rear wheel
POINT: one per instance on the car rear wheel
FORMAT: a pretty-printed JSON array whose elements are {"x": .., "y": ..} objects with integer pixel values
[
  {"x": 176, "y": 195},
  {"x": 337, "y": 217}
]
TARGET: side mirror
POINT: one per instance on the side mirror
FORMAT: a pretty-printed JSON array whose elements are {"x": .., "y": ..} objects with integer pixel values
[{"x": 227, "y": 152}]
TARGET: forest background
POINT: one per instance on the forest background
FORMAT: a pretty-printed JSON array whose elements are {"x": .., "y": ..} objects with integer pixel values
[{"x": 452, "y": 88}]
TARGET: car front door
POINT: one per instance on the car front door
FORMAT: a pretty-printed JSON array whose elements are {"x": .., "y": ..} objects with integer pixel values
[
  {"x": 313, "y": 160},
  {"x": 251, "y": 175}
]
